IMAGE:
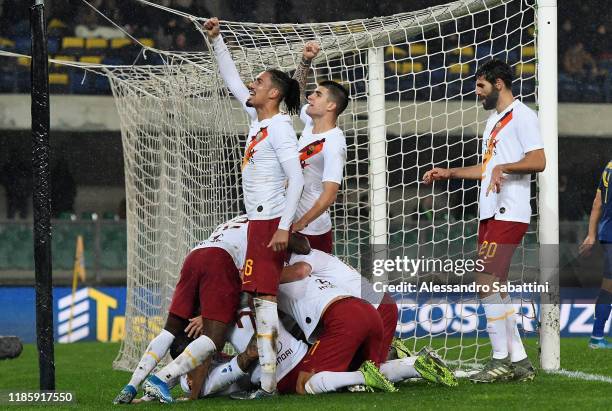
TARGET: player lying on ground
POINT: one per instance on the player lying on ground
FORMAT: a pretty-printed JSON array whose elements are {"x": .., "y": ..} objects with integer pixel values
[
  {"x": 322, "y": 147},
  {"x": 238, "y": 373},
  {"x": 272, "y": 183},
  {"x": 600, "y": 225},
  {"x": 209, "y": 280},
  {"x": 512, "y": 151}
]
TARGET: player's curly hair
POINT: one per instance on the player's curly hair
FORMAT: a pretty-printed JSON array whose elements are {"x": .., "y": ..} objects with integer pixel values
[
  {"x": 495, "y": 69},
  {"x": 289, "y": 89}
]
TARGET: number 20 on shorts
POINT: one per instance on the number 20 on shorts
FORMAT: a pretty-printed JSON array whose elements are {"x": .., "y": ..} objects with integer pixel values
[{"x": 487, "y": 249}]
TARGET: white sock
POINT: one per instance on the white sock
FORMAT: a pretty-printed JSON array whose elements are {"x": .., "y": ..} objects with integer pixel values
[
  {"x": 193, "y": 355},
  {"x": 266, "y": 319},
  {"x": 515, "y": 345},
  {"x": 399, "y": 370},
  {"x": 495, "y": 310},
  {"x": 222, "y": 377},
  {"x": 158, "y": 347},
  {"x": 327, "y": 381}
]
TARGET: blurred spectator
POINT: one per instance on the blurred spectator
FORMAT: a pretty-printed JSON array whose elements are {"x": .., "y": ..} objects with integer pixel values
[
  {"x": 580, "y": 63},
  {"x": 569, "y": 200},
  {"x": 63, "y": 188},
  {"x": 90, "y": 27},
  {"x": 17, "y": 181},
  {"x": 565, "y": 37},
  {"x": 599, "y": 43}
]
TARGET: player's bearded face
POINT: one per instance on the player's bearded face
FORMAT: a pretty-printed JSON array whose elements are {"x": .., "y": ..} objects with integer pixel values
[{"x": 487, "y": 94}]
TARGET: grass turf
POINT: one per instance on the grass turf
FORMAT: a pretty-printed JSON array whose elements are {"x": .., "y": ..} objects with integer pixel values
[{"x": 85, "y": 369}]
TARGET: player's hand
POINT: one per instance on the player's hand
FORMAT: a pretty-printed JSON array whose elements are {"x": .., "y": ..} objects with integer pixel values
[
  {"x": 311, "y": 50},
  {"x": 435, "y": 174},
  {"x": 587, "y": 246},
  {"x": 298, "y": 226},
  {"x": 497, "y": 179},
  {"x": 279, "y": 241},
  {"x": 195, "y": 327},
  {"x": 212, "y": 27}
]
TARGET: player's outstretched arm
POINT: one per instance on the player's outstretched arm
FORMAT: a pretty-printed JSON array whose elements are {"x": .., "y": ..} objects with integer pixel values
[
  {"x": 591, "y": 238},
  {"x": 460, "y": 173},
  {"x": 227, "y": 67},
  {"x": 311, "y": 50}
]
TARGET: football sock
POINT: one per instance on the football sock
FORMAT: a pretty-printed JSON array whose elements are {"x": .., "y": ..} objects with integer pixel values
[
  {"x": 193, "y": 355},
  {"x": 603, "y": 306},
  {"x": 515, "y": 344},
  {"x": 399, "y": 370},
  {"x": 495, "y": 311},
  {"x": 266, "y": 319},
  {"x": 156, "y": 350},
  {"x": 223, "y": 376},
  {"x": 328, "y": 381}
]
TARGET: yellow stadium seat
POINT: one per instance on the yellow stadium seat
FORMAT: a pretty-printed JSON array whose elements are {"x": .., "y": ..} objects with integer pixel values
[
  {"x": 91, "y": 59},
  {"x": 73, "y": 43},
  {"x": 147, "y": 42},
  {"x": 96, "y": 43},
  {"x": 4, "y": 42},
  {"x": 418, "y": 49},
  {"x": 63, "y": 58},
  {"x": 395, "y": 51},
  {"x": 467, "y": 51},
  {"x": 528, "y": 51},
  {"x": 58, "y": 78},
  {"x": 23, "y": 61},
  {"x": 120, "y": 42},
  {"x": 523, "y": 69},
  {"x": 459, "y": 68}
]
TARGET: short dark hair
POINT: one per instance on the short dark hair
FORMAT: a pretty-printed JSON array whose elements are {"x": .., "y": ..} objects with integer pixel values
[
  {"x": 495, "y": 69},
  {"x": 338, "y": 94},
  {"x": 289, "y": 89}
]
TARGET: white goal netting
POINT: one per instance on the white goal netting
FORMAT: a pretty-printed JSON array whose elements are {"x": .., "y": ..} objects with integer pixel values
[{"x": 411, "y": 80}]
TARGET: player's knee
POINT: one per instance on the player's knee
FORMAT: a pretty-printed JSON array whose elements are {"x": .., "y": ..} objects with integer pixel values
[
  {"x": 302, "y": 380},
  {"x": 606, "y": 285},
  {"x": 216, "y": 331},
  {"x": 175, "y": 324}
]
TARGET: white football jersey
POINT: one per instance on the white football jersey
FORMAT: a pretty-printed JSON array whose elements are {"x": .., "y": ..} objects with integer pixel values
[
  {"x": 330, "y": 267},
  {"x": 270, "y": 142},
  {"x": 507, "y": 137},
  {"x": 306, "y": 300},
  {"x": 232, "y": 237},
  {"x": 322, "y": 157}
]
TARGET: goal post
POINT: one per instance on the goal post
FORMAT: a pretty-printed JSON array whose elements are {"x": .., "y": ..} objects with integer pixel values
[
  {"x": 549, "y": 184},
  {"x": 411, "y": 81}
]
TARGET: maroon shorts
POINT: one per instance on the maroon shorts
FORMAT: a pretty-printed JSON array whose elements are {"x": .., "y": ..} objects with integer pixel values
[
  {"x": 497, "y": 241},
  {"x": 387, "y": 309},
  {"x": 209, "y": 279},
  {"x": 262, "y": 266},
  {"x": 351, "y": 328},
  {"x": 322, "y": 242}
]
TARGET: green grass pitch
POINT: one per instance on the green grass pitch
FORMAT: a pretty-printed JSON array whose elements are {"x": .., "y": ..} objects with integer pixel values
[{"x": 85, "y": 369}]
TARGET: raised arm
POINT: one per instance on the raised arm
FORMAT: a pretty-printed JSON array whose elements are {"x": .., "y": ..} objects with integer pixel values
[
  {"x": 227, "y": 67},
  {"x": 311, "y": 50}
]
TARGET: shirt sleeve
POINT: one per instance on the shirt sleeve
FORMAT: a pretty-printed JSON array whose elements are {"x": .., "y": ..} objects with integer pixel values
[
  {"x": 313, "y": 259},
  {"x": 334, "y": 158},
  {"x": 284, "y": 141},
  {"x": 306, "y": 119},
  {"x": 529, "y": 131},
  {"x": 230, "y": 75},
  {"x": 602, "y": 183}
]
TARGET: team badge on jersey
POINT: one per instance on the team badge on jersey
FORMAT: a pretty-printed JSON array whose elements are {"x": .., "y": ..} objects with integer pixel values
[
  {"x": 311, "y": 150},
  {"x": 250, "y": 151}
]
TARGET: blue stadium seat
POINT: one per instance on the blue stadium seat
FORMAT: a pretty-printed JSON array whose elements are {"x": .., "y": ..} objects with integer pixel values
[
  {"x": 23, "y": 45},
  {"x": 53, "y": 45}
]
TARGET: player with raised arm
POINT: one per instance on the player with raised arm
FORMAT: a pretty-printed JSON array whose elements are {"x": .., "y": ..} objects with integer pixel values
[
  {"x": 322, "y": 147},
  {"x": 600, "y": 226},
  {"x": 210, "y": 280},
  {"x": 512, "y": 151},
  {"x": 272, "y": 184}
]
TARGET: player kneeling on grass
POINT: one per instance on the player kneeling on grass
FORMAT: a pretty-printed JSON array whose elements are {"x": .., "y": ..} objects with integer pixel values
[{"x": 210, "y": 279}]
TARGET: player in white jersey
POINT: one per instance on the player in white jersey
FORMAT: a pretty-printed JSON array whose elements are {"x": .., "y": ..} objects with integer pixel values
[
  {"x": 209, "y": 280},
  {"x": 513, "y": 150},
  {"x": 272, "y": 183},
  {"x": 322, "y": 147}
]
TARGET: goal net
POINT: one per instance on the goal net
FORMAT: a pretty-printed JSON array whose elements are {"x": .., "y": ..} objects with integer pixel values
[{"x": 411, "y": 81}]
